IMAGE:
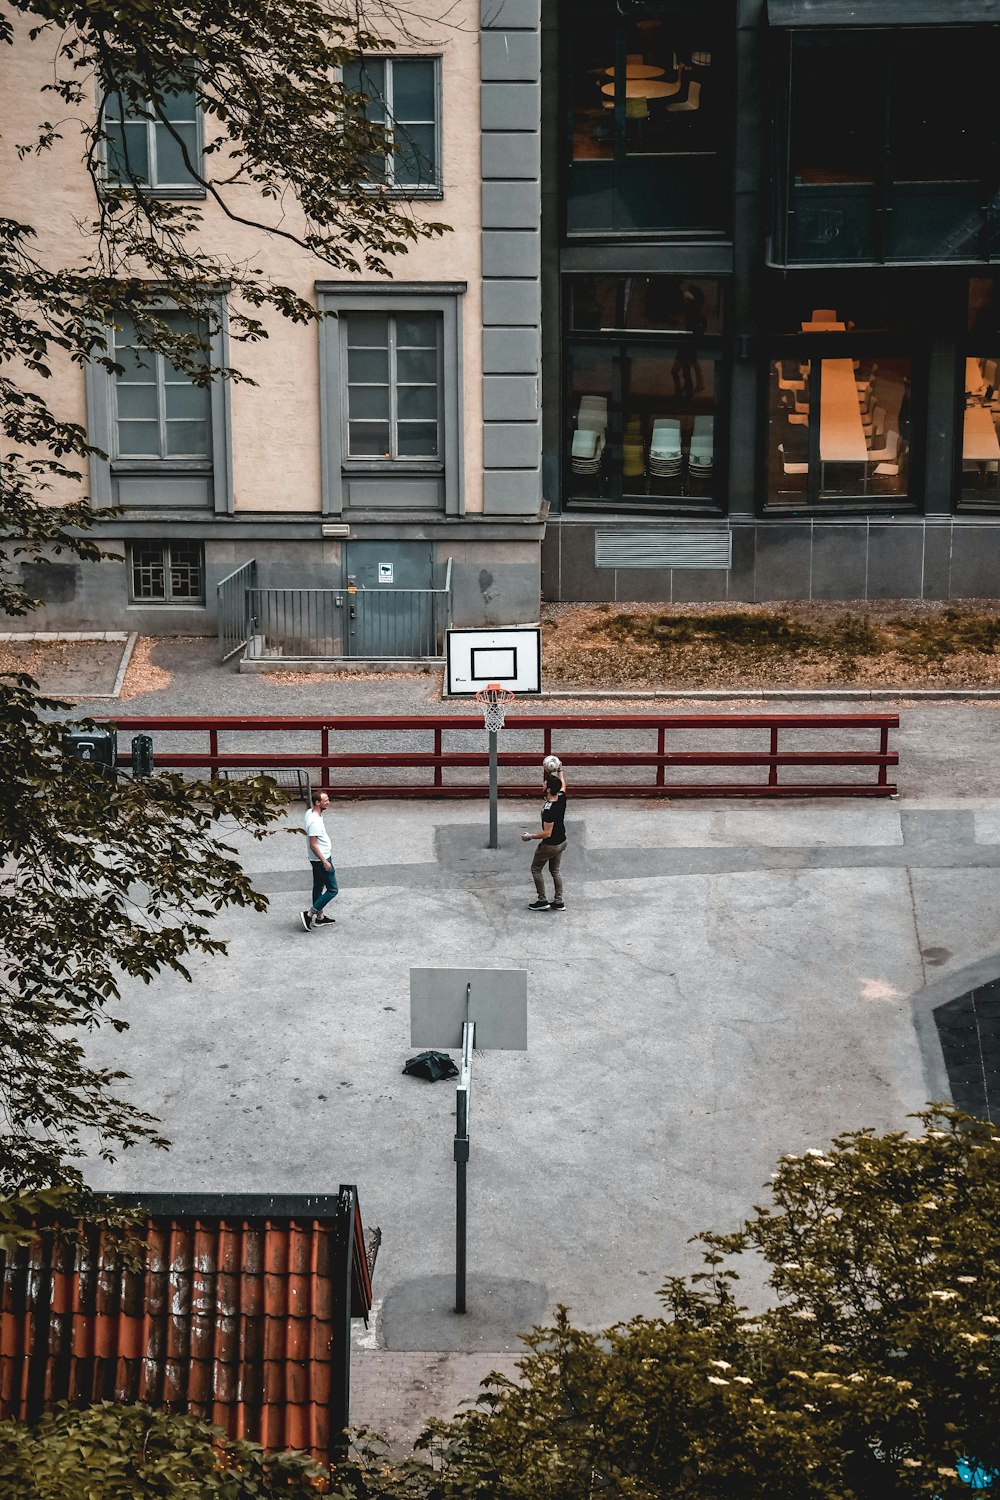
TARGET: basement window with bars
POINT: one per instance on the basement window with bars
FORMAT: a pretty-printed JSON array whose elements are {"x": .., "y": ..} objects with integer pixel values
[{"x": 167, "y": 573}]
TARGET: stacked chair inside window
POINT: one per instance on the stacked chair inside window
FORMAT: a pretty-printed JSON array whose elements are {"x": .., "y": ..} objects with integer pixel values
[
  {"x": 590, "y": 435},
  {"x": 666, "y": 459},
  {"x": 702, "y": 450}
]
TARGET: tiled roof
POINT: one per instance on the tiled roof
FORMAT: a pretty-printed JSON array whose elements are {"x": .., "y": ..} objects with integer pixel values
[{"x": 240, "y": 1315}]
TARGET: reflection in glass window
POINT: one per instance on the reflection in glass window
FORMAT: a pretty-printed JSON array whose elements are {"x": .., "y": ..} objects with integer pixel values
[
  {"x": 839, "y": 429},
  {"x": 980, "y": 429},
  {"x": 142, "y": 147},
  {"x": 649, "y": 110},
  {"x": 673, "y": 304},
  {"x": 400, "y": 94},
  {"x": 886, "y": 162},
  {"x": 641, "y": 424}
]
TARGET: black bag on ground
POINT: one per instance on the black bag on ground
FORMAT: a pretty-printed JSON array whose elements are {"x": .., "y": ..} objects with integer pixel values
[{"x": 431, "y": 1066}]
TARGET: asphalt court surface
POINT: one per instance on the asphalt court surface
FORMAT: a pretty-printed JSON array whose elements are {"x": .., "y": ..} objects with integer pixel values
[
  {"x": 730, "y": 980},
  {"x": 726, "y": 983}
]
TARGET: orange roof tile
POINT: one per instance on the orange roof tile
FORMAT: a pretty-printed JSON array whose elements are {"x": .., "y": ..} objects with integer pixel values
[{"x": 239, "y": 1315}]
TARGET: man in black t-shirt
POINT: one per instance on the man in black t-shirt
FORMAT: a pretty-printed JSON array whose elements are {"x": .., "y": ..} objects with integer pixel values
[{"x": 551, "y": 843}]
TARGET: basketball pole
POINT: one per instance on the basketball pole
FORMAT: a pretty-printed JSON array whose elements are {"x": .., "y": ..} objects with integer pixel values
[{"x": 494, "y": 841}]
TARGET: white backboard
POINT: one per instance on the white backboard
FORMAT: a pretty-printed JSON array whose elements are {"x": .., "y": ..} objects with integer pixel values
[
  {"x": 498, "y": 1003},
  {"x": 511, "y": 656}
]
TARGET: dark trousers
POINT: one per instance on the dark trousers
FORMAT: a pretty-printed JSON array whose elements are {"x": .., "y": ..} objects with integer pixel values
[
  {"x": 551, "y": 855},
  {"x": 324, "y": 884}
]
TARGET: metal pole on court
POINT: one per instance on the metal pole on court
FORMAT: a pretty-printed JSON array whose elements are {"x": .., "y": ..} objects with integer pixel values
[
  {"x": 494, "y": 842},
  {"x": 462, "y": 1152}
]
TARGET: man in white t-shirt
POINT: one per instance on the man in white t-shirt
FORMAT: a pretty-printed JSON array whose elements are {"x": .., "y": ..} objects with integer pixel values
[{"x": 324, "y": 876}]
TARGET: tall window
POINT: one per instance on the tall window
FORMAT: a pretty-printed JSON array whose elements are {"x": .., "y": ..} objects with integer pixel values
[
  {"x": 649, "y": 101},
  {"x": 158, "y": 153},
  {"x": 980, "y": 379},
  {"x": 890, "y": 145},
  {"x": 391, "y": 394},
  {"x": 167, "y": 572},
  {"x": 642, "y": 393},
  {"x": 393, "y": 385},
  {"x": 841, "y": 417},
  {"x": 160, "y": 413},
  {"x": 401, "y": 94}
]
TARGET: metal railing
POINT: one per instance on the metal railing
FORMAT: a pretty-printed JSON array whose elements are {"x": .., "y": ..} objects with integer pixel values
[
  {"x": 775, "y": 755},
  {"x": 232, "y": 608},
  {"x": 298, "y": 624}
]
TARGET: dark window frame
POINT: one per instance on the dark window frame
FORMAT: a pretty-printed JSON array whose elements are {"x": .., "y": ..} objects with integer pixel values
[
  {"x": 716, "y": 347},
  {"x": 868, "y": 347},
  {"x": 971, "y": 346},
  {"x": 885, "y": 185},
  {"x": 723, "y": 159},
  {"x": 168, "y": 566}
]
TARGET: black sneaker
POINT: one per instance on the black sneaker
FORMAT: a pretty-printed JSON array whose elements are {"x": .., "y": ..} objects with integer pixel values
[
  {"x": 538, "y": 905},
  {"x": 557, "y": 906},
  {"x": 324, "y": 921},
  {"x": 306, "y": 918}
]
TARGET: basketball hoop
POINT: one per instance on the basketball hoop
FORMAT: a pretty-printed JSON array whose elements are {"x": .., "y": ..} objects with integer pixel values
[{"x": 493, "y": 700}]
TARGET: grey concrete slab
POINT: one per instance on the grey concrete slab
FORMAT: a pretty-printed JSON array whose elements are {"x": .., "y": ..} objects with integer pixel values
[
  {"x": 684, "y": 1028},
  {"x": 673, "y": 826},
  {"x": 728, "y": 981}
]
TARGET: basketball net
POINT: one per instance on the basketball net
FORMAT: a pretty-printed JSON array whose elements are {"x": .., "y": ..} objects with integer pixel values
[{"x": 494, "y": 700}]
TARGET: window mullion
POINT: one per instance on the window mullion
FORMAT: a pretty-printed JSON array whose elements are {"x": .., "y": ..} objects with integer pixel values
[
  {"x": 390, "y": 121},
  {"x": 161, "y": 404},
  {"x": 154, "y": 171},
  {"x": 393, "y": 433}
]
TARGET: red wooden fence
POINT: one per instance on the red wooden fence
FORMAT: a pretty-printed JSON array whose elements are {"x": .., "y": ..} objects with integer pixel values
[{"x": 543, "y": 733}]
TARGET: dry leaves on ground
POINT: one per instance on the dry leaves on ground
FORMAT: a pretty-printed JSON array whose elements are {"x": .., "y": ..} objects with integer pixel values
[
  {"x": 143, "y": 675},
  {"x": 754, "y": 646}
]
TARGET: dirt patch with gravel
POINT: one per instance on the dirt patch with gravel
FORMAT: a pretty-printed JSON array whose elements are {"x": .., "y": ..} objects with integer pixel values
[
  {"x": 890, "y": 644},
  {"x": 65, "y": 669}
]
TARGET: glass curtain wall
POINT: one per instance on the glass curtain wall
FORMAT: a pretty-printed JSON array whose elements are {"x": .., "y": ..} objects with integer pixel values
[
  {"x": 840, "y": 405},
  {"x": 979, "y": 487},
  {"x": 649, "y": 101},
  {"x": 892, "y": 147},
  {"x": 642, "y": 401}
]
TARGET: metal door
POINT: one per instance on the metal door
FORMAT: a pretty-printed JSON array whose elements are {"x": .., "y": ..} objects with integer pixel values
[{"x": 390, "y": 606}]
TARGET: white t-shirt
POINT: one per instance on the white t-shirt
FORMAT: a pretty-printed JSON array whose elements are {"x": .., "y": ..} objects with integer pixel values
[{"x": 316, "y": 829}]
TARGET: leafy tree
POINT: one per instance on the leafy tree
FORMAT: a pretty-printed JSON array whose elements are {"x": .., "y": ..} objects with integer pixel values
[
  {"x": 112, "y": 1452},
  {"x": 874, "y": 1370},
  {"x": 99, "y": 879}
]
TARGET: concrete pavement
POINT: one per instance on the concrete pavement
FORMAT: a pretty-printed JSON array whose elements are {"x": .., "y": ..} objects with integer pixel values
[{"x": 729, "y": 981}]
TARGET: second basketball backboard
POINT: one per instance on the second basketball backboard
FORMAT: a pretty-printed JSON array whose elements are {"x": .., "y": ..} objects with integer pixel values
[{"x": 510, "y": 656}]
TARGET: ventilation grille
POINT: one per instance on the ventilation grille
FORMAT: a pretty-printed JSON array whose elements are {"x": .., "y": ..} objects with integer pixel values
[{"x": 664, "y": 547}]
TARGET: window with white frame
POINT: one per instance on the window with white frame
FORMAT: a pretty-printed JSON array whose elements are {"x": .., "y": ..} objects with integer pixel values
[
  {"x": 161, "y": 151},
  {"x": 401, "y": 94},
  {"x": 167, "y": 573},
  {"x": 393, "y": 384}
]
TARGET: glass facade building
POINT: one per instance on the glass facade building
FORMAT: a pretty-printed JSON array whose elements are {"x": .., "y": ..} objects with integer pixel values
[{"x": 771, "y": 251}]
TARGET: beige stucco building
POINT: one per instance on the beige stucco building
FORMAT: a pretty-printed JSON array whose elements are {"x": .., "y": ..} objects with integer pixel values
[{"x": 371, "y": 447}]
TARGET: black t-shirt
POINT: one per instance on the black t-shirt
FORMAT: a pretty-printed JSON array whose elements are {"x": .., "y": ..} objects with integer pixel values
[{"x": 554, "y": 812}]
